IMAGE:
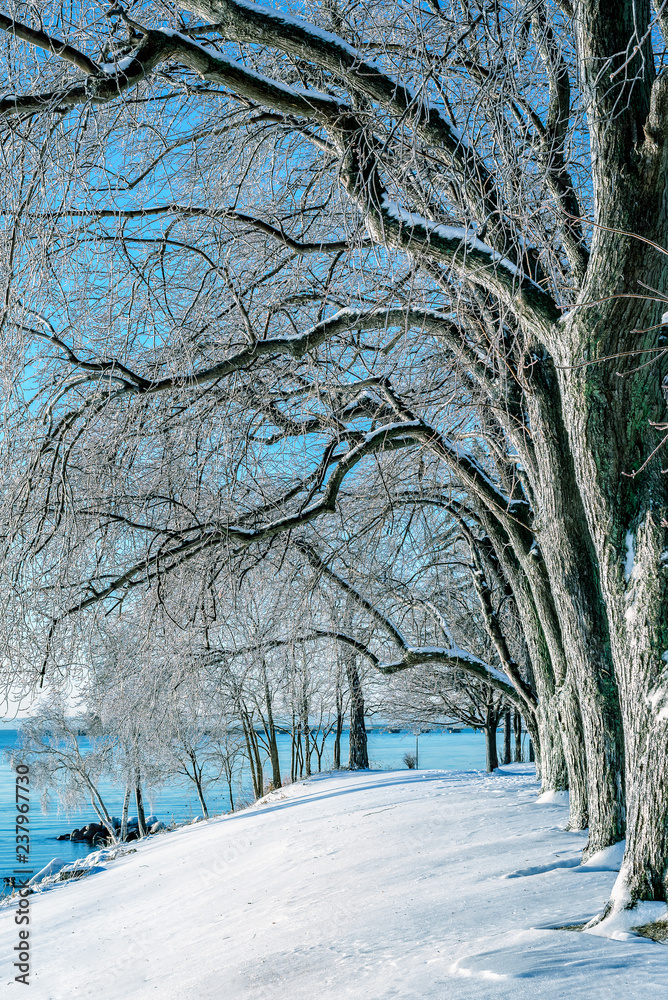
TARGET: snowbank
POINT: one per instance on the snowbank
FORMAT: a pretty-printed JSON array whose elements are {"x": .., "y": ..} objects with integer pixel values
[{"x": 370, "y": 886}]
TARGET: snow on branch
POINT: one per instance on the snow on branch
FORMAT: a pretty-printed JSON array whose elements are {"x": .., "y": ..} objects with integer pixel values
[
  {"x": 452, "y": 656},
  {"x": 102, "y": 85},
  {"x": 294, "y": 345},
  {"x": 243, "y": 21}
]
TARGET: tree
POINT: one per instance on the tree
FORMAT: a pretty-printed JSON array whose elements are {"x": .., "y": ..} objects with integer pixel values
[
  {"x": 51, "y": 743},
  {"x": 225, "y": 750},
  {"x": 126, "y": 696},
  {"x": 478, "y": 193},
  {"x": 437, "y": 698}
]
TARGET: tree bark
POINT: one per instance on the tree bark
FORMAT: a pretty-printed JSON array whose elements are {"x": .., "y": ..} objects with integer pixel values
[
  {"x": 506, "y": 737},
  {"x": 358, "y": 758},
  {"x": 517, "y": 731},
  {"x": 270, "y": 730},
  {"x": 124, "y": 813},
  {"x": 576, "y": 756},
  {"x": 491, "y": 755},
  {"x": 139, "y": 799}
]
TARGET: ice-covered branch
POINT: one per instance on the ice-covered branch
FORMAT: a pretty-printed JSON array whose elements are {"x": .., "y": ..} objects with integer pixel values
[
  {"x": 452, "y": 656},
  {"x": 50, "y": 44},
  {"x": 183, "y": 545},
  {"x": 194, "y": 211},
  {"x": 387, "y": 222}
]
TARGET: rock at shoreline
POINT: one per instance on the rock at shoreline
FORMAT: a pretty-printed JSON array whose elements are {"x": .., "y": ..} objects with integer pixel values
[{"x": 98, "y": 834}]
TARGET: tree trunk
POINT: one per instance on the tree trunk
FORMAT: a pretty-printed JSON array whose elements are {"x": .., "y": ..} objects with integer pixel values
[
  {"x": 517, "y": 730},
  {"x": 547, "y": 738},
  {"x": 141, "y": 819},
  {"x": 358, "y": 758},
  {"x": 337, "y": 741},
  {"x": 124, "y": 813},
  {"x": 197, "y": 776},
  {"x": 557, "y": 593},
  {"x": 492, "y": 759},
  {"x": 254, "y": 762},
  {"x": 339, "y": 724},
  {"x": 270, "y": 730},
  {"x": 506, "y": 737},
  {"x": 100, "y": 808},
  {"x": 576, "y": 757},
  {"x": 293, "y": 749},
  {"x": 259, "y": 770},
  {"x": 297, "y": 753},
  {"x": 307, "y": 736},
  {"x": 251, "y": 760},
  {"x": 569, "y": 561},
  {"x": 103, "y": 817}
]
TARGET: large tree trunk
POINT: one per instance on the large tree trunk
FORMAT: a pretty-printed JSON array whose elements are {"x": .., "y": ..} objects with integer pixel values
[
  {"x": 608, "y": 418},
  {"x": 492, "y": 715},
  {"x": 609, "y": 397},
  {"x": 574, "y": 576},
  {"x": 576, "y": 761},
  {"x": 491, "y": 754},
  {"x": 556, "y": 585}
]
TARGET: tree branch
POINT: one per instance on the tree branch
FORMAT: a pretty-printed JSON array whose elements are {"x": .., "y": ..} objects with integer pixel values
[{"x": 39, "y": 38}]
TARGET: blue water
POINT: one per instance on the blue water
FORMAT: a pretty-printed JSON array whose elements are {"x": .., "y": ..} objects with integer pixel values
[{"x": 177, "y": 801}]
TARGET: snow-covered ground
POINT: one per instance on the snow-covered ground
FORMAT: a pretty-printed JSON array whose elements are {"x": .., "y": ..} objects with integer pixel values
[{"x": 400, "y": 884}]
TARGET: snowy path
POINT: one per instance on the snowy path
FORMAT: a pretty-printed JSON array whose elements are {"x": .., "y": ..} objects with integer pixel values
[{"x": 375, "y": 885}]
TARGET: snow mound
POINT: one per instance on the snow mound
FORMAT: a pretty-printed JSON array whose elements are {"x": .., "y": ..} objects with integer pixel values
[
  {"x": 553, "y": 799},
  {"x": 557, "y": 964},
  {"x": 52, "y": 868},
  {"x": 608, "y": 860},
  {"x": 542, "y": 869},
  {"x": 58, "y": 870},
  {"x": 620, "y": 924}
]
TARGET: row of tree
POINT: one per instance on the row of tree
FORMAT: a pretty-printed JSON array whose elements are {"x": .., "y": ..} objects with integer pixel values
[
  {"x": 144, "y": 727},
  {"x": 364, "y": 314}
]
